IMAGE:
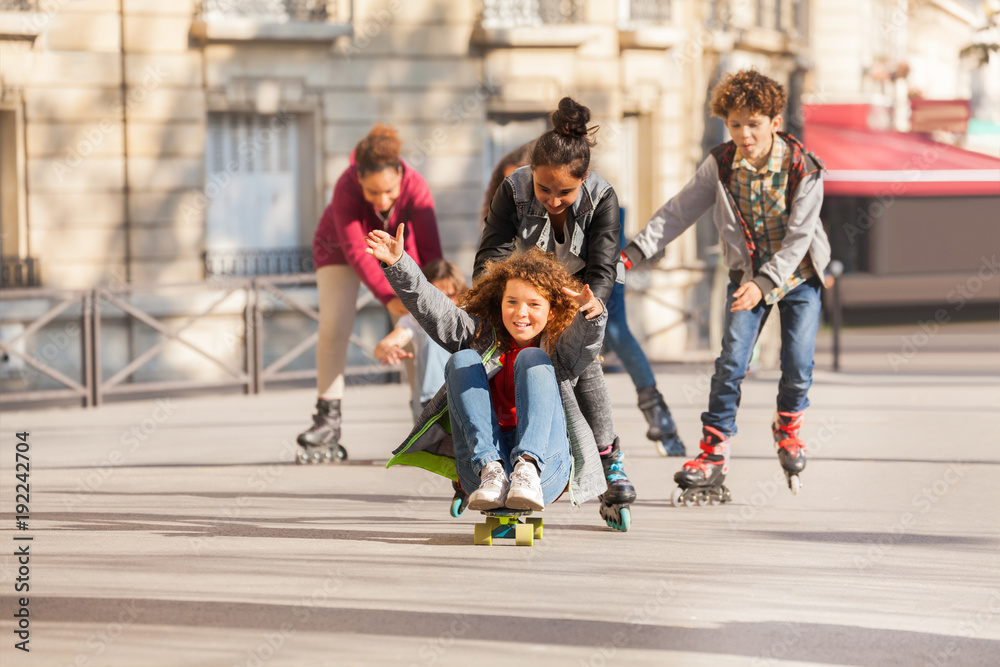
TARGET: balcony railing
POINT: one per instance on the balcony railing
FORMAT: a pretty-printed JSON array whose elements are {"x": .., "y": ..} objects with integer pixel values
[
  {"x": 265, "y": 11},
  {"x": 269, "y": 262},
  {"x": 20, "y": 5},
  {"x": 499, "y": 14},
  {"x": 20, "y": 272},
  {"x": 645, "y": 12}
]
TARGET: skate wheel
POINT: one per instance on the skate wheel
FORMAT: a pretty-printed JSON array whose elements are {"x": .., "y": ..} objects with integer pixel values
[
  {"x": 301, "y": 457},
  {"x": 716, "y": 500},
  {"x": 325, "y": 457},
  {"x": 661, "y": 448},
  {"x": 794, "y": 484},
  {"x": 690, "y": 500},
  {"x": 703, "y": 499},
  {"x": 536, "y": 523},
  {"x": 675, "y": 497},
  {"x": 483, "y": 535},
  {"x": 524, "y": 534},
  {"x": 458, "y": 506},
  {"x": 626, "y": 520},
  {"x": 341, "y": 453}
]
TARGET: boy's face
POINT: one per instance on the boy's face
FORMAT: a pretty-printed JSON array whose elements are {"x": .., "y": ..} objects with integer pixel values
[
  {"x": 525, "y": 312},
  {"x": 448, "y": 287},
  {"x": 555, "y": 188},
  {"x": 753, "y": 133}
]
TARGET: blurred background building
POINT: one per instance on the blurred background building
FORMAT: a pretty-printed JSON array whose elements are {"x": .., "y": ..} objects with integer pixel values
[{"x": 147, "y": 143}]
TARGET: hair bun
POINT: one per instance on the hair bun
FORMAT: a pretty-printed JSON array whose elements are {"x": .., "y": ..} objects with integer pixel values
[
  {"x": 571, "y": 118},
  {"x": 383, "y": 131}
]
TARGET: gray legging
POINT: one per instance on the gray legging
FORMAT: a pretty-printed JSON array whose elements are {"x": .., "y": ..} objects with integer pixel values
[{"x": 595, "y": 404}]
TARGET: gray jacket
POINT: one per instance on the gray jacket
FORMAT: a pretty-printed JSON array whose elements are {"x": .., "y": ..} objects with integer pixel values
[
  {"x": 429, "y": 445},
  {"x": 805, "y": 231}
]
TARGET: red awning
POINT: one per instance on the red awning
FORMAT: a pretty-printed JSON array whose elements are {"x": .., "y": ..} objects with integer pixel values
[{"x": 866, "y": 163}]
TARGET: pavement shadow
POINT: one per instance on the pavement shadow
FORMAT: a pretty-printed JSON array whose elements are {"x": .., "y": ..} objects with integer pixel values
[{"x": 820, "y": 643}]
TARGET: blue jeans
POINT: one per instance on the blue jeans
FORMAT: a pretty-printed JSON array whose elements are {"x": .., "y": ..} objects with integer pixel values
[
  {"x": 623, "y": 343},
  {"x": 541, "y": 422},
  {"x": 799, "y": 311}
]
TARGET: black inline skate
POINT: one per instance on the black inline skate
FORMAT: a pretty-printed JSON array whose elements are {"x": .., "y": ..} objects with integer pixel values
[
  {"x": 615, "y": 501},
  {"x": 459, "y": 501},
  {"x": 700, "y": 480},
  {"x": 321, "y": 442},
  {"x": 662, "y": 430},
  {"x": 791, "y": 450}
]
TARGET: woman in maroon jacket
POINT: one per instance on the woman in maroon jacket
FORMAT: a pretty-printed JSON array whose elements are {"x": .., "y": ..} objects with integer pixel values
[{"x": 378, "y": 191}]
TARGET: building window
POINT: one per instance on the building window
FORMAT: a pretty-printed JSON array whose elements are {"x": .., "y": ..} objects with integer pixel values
[
  {"x": 17, "y": 269},
  {"x": 518, "y": 13},
  {"x": 644, "y": 12},
  {"x": 258, "y": 194},
  {"x": 265, "y": 11}
]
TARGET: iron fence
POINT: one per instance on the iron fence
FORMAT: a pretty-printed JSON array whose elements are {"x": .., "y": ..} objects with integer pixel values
[
  {"x": 20, "y": 272},
  {"x": 517, "y": 13},
  {"x": 267, "y": 11},
  {"x": 267, "y": 262}
]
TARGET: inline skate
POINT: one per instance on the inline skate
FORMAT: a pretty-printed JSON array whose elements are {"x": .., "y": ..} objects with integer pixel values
[
  {"x": 662, "y": 430},
  {"x": 791, "y": 450},
  {"x": 321, "y": 442},
  {"x": 615, "y": 501},
  {"x": 700, "y": 480}
]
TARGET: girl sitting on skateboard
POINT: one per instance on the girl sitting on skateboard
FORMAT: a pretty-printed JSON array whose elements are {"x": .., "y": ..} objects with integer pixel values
[{"x": 506, "y": 423}]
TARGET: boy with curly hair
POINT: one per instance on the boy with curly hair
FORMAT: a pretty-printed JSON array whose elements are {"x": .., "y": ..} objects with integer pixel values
[{"x": 765, "y": 191}]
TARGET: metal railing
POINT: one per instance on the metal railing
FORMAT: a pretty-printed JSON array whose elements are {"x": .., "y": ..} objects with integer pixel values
[
  {"x": 646, "y": 11},
  {"x": 32, "y": 364},
  {"x": 266, "y": 11},
  {"x": 20, "y": 5},
  {"x": 222, "y": 326},
  {"x": 518, "y": 13},
  {"x": 267, "y": 262},
  {"x": 20, "y": 272}
]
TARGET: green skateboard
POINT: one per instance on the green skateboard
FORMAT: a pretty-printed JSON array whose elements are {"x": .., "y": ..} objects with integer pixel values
[{"x": 508, "y": 524}]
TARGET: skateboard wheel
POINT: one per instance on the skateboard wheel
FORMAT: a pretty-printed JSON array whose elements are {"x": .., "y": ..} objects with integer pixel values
[
  {"x": 524, "y": 535},
  {"x": 536, "y": 522},
  {"x": 483, "y": 534}
]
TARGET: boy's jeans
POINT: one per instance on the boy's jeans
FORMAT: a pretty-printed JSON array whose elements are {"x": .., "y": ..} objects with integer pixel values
[
  {"x": 799, "y": 311},
  {"x": 541, "y": 422}
]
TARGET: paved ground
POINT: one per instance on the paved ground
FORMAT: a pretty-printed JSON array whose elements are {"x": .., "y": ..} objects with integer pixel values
[{"x": 179, "y": 532}]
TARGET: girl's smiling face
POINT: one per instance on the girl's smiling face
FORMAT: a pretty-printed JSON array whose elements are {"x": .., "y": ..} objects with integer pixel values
[
  {"x": 555, "y": 188},
  {"x": 525, "y": 312}
]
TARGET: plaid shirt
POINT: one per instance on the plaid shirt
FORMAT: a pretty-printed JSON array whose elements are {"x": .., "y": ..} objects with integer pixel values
[{"x": 760, "y": 196}]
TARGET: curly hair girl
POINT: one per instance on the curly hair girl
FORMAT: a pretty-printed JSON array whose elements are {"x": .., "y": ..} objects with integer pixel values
[{"x": 540, "y": 270}]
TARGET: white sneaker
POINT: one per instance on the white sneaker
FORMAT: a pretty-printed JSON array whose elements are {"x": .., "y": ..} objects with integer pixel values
[
  {"x": 492, "y": 491},
  {"x": 525, "y": 487}
]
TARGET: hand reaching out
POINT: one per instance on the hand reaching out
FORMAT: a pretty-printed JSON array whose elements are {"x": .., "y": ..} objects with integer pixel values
[
  {"x": 390, "y": 353},
  {"x": 589, "y": 304},
  {"x": 385, "y": 248}
]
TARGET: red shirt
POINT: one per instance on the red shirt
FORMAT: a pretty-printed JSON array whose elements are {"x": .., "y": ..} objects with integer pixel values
[
  {"x": 340, "y": 236},
  {"x": 502, "y": 390}
]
